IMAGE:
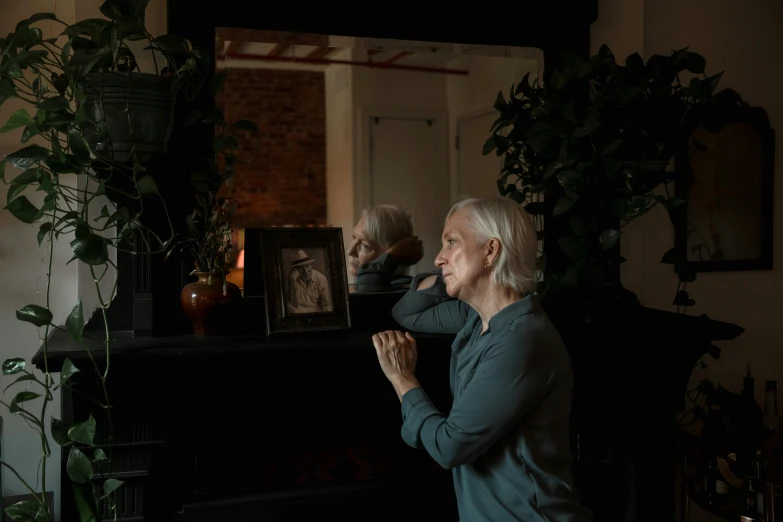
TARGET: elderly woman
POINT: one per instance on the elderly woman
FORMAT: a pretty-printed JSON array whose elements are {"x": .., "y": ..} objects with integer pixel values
[
  {"x": 506, "y": 437},
  {"x": 382, "y": 249}
]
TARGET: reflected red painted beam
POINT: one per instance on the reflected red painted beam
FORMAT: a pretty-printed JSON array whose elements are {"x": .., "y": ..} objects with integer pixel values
[
  {"x": 315, "y": 61},
  {"x": 397, "y": 57}
]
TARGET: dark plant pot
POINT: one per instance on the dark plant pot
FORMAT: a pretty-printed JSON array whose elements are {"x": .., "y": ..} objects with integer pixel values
[
  {"x": 210, "y": 311},
  {"x": 130, "y": 111}
]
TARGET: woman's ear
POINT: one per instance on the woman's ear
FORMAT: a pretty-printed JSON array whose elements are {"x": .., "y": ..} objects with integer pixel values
[{"x": 492, "y": 252}]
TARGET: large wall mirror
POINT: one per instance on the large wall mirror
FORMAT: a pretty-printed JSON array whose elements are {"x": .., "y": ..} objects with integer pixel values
[{"x": 347, "y": 122}]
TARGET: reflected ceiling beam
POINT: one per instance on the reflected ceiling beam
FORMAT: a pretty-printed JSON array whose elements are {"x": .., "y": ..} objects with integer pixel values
[
  {"x": 278, "y": 50},
  {"x": 234, "y": 47},
  {"x": 326, "y": 61},
  {"x": 398, "y": 56},
  {"x": 320, "y": 53}
]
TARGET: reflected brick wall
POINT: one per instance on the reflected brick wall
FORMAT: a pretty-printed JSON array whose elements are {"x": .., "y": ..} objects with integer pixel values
[{"x": 286, "y": 182}]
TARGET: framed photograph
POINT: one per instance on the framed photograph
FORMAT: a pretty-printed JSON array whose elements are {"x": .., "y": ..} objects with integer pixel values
[
  {"x": 304, "y": 280},
  {"x": 726, "y": 222}
]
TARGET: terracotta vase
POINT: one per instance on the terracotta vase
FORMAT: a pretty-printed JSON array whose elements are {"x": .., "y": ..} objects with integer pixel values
[{"x": 210, "y": 311}]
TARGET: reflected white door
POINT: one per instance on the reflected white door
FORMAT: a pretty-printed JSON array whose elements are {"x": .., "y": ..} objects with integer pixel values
[
  {"x": 409, "y": 168},
  {"x": 477, "y": 174}
]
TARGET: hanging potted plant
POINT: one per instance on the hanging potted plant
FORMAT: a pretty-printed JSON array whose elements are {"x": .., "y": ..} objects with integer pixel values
[
  {"x": 63, "y": 82},
  {"x": 130, "y": 113}
]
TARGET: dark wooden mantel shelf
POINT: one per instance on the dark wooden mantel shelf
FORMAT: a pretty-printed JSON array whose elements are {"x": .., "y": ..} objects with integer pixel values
[{"x": 125, "y": 345}]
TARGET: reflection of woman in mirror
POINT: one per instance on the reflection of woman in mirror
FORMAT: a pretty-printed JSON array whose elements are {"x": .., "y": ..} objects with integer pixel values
[
  {"x": 382, "y": 249},
  {"x": 506, "y": 435}
]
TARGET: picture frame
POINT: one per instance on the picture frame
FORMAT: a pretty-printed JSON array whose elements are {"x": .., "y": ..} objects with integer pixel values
[
  {"x": 303, "y": 278},
  {"x": 726, "y": 221}
]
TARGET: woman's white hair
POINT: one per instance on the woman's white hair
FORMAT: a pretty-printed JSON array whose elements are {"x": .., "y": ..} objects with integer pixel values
[
  {"x": 387, "y": 224},
  {"x": 509, "y": 223}
]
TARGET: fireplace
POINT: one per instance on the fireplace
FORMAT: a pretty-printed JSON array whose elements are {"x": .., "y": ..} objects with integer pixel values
[{"x": 247, "y": 427}]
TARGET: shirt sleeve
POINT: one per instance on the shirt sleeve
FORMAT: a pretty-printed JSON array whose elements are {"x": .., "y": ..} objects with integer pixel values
[
  {"x": 376, "y": 276},
  {"x": 430, "y": 310},
  {"x": 513, "y": 376},
  {"x": 325, "y": 298}
]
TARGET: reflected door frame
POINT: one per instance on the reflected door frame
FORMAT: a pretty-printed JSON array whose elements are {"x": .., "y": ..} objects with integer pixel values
[{"x": 362, "y": 145}]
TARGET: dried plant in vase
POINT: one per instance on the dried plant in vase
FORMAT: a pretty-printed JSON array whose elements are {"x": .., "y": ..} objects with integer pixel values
[{"x": 209, "y": 302}]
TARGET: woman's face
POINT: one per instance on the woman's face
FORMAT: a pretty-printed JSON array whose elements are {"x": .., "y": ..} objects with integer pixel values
[
  {"x": 362, "y": 249},
  {"x": 462, "y": 257}
]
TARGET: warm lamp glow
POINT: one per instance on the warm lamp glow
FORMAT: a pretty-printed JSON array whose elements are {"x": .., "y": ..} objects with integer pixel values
[{"x": 241, "y": 259}]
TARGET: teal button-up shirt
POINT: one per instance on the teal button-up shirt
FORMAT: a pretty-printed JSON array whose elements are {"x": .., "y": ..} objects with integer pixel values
[{"x": 506, "y": 437}]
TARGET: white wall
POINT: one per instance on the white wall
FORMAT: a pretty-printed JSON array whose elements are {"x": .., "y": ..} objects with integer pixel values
[
  {"x": 476, "y": 93},
  {"x": 24, "y": 266},
  {"x": 23, "y": 281}
]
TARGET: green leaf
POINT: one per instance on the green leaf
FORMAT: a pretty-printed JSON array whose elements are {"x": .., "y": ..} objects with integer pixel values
[
  {"x": 570, "y": 179},
  {"x": 147, "y": 185},
  {"x": 99, "y": 455},
  {"x": 79, "y": 467},
  {"x": 611, "y": 147},
  {"x": 173, "y": 43},
  {"x": 30, "y": 132},
  {"x": 124, "y": 9},
  {"x": 83, "y": 432},
  {"x": 91, "y": 27},
  {"x": 562, "y": 205},
  {"x": 54, "y": 104},
  {"x": 18, "y": 119},
  {"x": 609, "y": 238},
  {"x": 27, "y": 511},
  {"x": 75, "y": 322},
  {"x": 536, "y": 208},
  {"x": 558, "y": 165},
  {"x": 33, "y": 313},
  {"x": 556, "y": 80},
  {"x": 245, "y": 125},
  {"x": 571, "y": 277},
  {"x": 12, "y": 366},
  {"x": 490, "y": 145},
  {"x": 634, "y": 61},
  {"x": 111, "y": 485},
  {"x": 670, "y": 257},
  {"x": 90, "y": 249},
  {"x": 2, "y": 170},
  {"x": 43, "y": 231},
  {"x": 41, "y": 16},
  {"x": 7, "y": 89},
  {"x": 14, "y": 190},
  {"x": 60, "y": 432},
  {"x": 573, "y": 247},
  {"x": 30, "y": 155},
  {"x": 712, "y": 82},
  {"x": 21, "y": 378},
  {"x": 68, "y": 370},
  {"x": 79, "y": 146},
  {"x": 20, "y": 398},
  {"x": 86, "y": 503}
]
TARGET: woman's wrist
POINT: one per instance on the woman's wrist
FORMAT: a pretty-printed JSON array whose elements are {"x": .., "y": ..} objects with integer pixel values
[{"x": 404, "y": 384}]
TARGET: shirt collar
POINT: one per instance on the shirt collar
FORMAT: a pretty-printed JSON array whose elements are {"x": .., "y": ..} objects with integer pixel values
[{"x": 530, "y": 304}]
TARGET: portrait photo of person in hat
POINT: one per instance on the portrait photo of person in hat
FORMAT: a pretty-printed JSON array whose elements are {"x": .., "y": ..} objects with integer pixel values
[{"x": 307, "y": 288}]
